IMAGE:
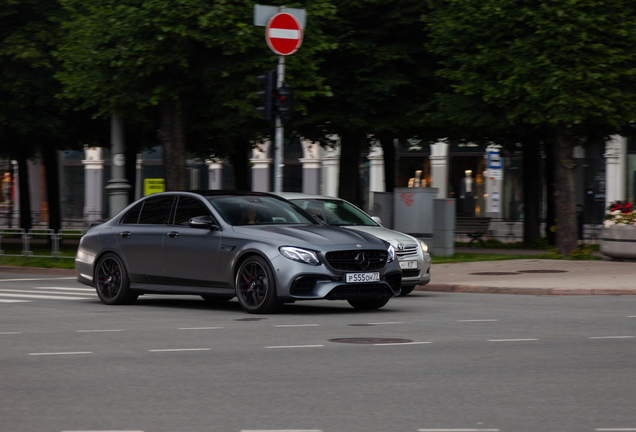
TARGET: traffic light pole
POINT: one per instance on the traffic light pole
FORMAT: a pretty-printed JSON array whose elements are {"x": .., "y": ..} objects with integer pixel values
[{"x": 279, "y": 136}]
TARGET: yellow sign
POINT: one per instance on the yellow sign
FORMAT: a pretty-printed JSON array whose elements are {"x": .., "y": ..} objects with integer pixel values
[{"x": 153, "y": 186}]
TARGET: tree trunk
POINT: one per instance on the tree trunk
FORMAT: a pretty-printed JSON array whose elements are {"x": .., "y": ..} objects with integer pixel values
[
  {"x": 349, "y": 177},
  {"x": 49, "y": 156},
  {"x": 388, "y": 149},
  {"x": 565, "y": 187},
  {"x": 25, "y": 197},
  {"x": 531, "y": 192},
  {"x": 549, "y": 182},
  {"x": 172, "y": 140},
  {"x": 240, "y": 162}
]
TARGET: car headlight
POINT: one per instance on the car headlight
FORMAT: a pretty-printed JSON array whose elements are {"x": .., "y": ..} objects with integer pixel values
[
  {"x": 300, "y": 255},
  {"x": 424, "y": 246},
  {"x": 391, "y": 252}
]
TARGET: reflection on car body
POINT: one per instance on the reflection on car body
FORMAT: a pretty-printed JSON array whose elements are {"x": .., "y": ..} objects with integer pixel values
[{"x": 258, "y": 247}]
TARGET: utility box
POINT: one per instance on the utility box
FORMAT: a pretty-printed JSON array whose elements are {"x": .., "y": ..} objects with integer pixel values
[
  {"x": 413, "y": 211},
  {"x": 383, "y": 208},
  {"x": 443, "y": 227}
]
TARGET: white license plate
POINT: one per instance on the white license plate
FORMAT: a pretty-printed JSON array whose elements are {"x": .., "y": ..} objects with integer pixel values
[
  {"x": 363, "y": 277},
  {"x": 408, "y": 264}
]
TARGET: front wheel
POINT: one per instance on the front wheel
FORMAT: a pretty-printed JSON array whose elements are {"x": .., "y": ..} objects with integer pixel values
[
  {"x": 111, "y": 281},
  {"x": 256, "y": 287},
  {"x": 369, "y": 304}
]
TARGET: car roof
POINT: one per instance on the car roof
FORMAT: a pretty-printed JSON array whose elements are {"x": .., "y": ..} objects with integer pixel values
[{"x": 298, "y": 195}]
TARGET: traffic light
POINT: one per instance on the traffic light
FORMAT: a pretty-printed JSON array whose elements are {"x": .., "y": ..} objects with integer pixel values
[
  {"x": 284, "y": 101},
  {"x": 268, "y": 79}
]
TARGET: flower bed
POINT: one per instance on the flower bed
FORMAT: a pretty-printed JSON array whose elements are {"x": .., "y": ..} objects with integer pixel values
[{"x": 618, "y": 239}]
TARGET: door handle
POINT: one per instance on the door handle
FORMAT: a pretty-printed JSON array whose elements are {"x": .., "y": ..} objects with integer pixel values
[
  {"x": 125, "y": 234},
  {"x": 173, "y": 234}
]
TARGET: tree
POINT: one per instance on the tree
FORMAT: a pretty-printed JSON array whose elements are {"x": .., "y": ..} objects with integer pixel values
[{"x": 569, "y": 66}]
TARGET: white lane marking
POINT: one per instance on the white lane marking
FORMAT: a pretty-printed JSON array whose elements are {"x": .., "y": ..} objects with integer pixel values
[
  {"x": 612, "y": 337},
  {"x": 46, "y": 297},
  {"x": 615, "y": 429},
  {"x": 16, "y": 301},
  {"x": 42, "y": 292},
  {"x": 295, "y": 346},
  {"x": 511, "y": 340},
  {"x": 296, "y": 325},
  {"x": 180, "y": 349},
  {"x": 381, "y": 323},
  {"x": 61, "y": 353},
  {"x": 458, "y": 430},
  {"x": 479, "y": 320},
  {"x": 282, "y": 430},
  {"x": 98, "y": 331},
  {"x": 630, "y": 316},
  {"x": 403, "y": 343},
  {"x": 67, "y": 289},
  {"x": 200, "y": 328},
  {"x": 36, "y": 279},
  {"x": 6, "y": 333},
  {"x": 106, "y": 431}
]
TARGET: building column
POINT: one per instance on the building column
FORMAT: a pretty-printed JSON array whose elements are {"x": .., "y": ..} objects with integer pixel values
[
  {"x": 215, "y": 173},
  {"x": 15, "y": 221},
  {"x": 93, "y": 183},
  {"x": 615, "y": 169},
  {"x": 261, "y": 166},
  {"x": 139, "y": 176},
  {"x": 376, "y": 171},
  {"x": 439, "y": 168},
  {"x": 331, "y": 170},
  {"x": 311, "y": 166},
  {"x": 117, "y": 185}
]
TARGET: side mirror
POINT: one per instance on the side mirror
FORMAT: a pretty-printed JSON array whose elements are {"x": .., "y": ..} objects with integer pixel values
[
  {"x": 377, "y": 219},
  {"x": 203, "y": 222}
]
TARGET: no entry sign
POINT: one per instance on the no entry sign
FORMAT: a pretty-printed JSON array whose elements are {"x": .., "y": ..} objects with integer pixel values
[{"x": 284, "y": 34}]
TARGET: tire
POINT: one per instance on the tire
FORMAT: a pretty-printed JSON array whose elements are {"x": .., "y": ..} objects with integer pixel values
[
  {"x": 111, "y": 281},
  {"x": 406, "y": 290},
  {"x": 216, "y": 298},
  {"x": 369, "y": 304},
  {"x": 256, "y": 287}
]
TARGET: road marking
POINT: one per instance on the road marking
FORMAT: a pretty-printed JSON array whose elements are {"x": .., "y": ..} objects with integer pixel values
[
  {"x": 61, "y": 353},
  {"x": 6, "y": 333},
  {"x": 200, "y": 328},
  {"x": 382, "y": 323},
  {"x": 458, "y": 430},
  {"x": 296, "y": 325},
  {"x": 615, "y": 429},
  {"x": 612, "y": 337},
  {"x": 478, "y": 320},
  {"x": 45, "y": 297},
  {"x": 15, "y": 301},
  {"x": 98, "y": 331},
  {"x": 282, "y": 430},
  {"x": 67, "y": 289},
  {"x": 630, "y": 316},
  {"x": 36, "y": 279},
  {"x": 296, "y": 346},
  {"x": 106, "y": 431},
  {"x": 180, "y": 349},
  {"x": 511, "y": 340},
  {"x": 403, "y": 343},
  {"x": 42, "y": 292}
]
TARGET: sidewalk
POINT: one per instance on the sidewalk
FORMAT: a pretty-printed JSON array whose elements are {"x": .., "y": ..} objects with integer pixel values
[{"x": 535, "y": 277}]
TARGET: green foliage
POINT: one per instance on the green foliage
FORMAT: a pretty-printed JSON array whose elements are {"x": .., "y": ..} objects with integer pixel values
[{"x": 583, "y": 252}]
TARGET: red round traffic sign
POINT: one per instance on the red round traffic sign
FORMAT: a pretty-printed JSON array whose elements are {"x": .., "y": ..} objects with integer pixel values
[{"x": 283, "y": 34}]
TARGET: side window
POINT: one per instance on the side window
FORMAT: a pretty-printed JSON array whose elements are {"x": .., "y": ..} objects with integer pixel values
[
  {"x": 132, "y": 216},
  {"x": 187, "y": 208},
  {"x": 156, "y": 210}
]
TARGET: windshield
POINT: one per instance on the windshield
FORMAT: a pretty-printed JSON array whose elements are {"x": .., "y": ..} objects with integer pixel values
[
  {"x": 335, "y": 212},
  {"x": 259, "y": 210}
]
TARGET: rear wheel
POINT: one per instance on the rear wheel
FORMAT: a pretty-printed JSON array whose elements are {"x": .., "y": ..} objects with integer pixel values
[
  {"x": 256, "y": 287},
  {"x": 111, "y": 281},
  {"x": 369, "y": 304},
  {"x": 406, "y": 290}
]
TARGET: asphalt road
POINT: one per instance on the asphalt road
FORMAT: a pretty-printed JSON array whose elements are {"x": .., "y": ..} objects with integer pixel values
[{"x": 473, "y": 362}]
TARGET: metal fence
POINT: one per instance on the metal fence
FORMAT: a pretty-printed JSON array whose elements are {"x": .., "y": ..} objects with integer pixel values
[{"x": 36, "y": 243}]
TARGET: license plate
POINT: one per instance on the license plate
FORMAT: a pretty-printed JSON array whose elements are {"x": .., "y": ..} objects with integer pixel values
[
  {"x": 363, "y": 277},
  {"x": 408, "y": 264}
]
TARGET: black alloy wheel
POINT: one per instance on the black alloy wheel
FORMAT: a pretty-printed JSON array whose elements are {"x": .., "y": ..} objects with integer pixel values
[
  {"x": 111, "y": 281},
  {"x": 369, "y": 304},
  {"x": 256, "y": 287}
]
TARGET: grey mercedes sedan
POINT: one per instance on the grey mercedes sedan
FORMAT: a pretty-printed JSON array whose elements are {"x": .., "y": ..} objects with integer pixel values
[{"x": 258, "y": 247}]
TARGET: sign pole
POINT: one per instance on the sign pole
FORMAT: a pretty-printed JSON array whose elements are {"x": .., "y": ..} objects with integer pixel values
[{"x": 280, "y": 130}]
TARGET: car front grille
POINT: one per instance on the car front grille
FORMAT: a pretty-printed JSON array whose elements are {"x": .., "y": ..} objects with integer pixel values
[
  {"x": 343, "y": 292},
  {"x": 407, "y": 251},
  {"x": 355, "y": 259}
]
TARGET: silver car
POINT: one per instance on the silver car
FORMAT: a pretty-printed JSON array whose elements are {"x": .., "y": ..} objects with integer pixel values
[
  {"x": 412, "y": 253},
  {"x": 258, "y": 247}
]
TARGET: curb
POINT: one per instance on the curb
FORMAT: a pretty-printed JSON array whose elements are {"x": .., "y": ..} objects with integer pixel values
[{"x": 524, "y": 291}]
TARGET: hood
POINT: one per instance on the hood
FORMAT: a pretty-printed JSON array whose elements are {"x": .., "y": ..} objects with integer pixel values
[
  {"x": 393, "y": 237},
  {"x": 311, "y": 235}
]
